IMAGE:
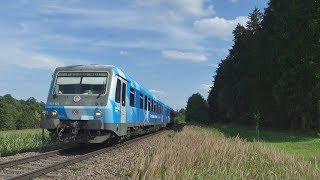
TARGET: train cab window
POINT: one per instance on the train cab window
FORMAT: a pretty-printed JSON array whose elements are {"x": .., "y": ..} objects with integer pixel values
[
  {"x": 145, "y": 102},
  {"x": 118, "y": 89},
  {"x": 141, "y": 101},
  {"x": 124, "y": 87},
  {"x": 132, "y": 94},
  {"x": 80, "y": 83}
]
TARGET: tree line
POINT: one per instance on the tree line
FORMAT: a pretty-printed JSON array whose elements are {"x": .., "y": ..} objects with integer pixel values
[
  {"x": 19, "y": 114},
  {"x": 271, "y": 76}
]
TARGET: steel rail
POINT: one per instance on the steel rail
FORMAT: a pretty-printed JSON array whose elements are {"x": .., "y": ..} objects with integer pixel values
[
  {"x": 31, "y": 158},
  {"x": 56, "y": 166}
]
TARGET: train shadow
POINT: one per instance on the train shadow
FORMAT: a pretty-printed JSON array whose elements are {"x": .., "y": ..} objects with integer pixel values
[{"x": 81, "y": 149}]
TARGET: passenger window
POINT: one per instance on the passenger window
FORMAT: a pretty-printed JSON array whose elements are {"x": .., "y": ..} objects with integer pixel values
[
  {"x": 152, "y": 106},
  {"x": 118, "y": 88},
  {"x": 145, "y": 102},
  {"x": 132, "y": 96},
  {"x": 156, "y": 104},
  {"x": 141, "y": 101},
  {"x": 124, "y": 87}
]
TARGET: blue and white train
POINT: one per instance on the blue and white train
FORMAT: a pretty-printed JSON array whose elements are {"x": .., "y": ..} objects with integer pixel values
[{"x": 94, "y": 103}]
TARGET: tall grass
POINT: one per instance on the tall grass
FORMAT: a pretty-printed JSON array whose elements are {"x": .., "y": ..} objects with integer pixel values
[
  {"x": 197, "y": 153},
  {"x": 16, "y": 141}
]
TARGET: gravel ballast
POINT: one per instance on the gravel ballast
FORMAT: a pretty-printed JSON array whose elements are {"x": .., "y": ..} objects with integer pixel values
[{"x": 118, "y": 163}]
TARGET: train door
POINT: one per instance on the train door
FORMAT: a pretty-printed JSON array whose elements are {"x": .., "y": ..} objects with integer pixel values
[
  {"x": 123, "y": 108},
  {"x": 120, "y": 99}
]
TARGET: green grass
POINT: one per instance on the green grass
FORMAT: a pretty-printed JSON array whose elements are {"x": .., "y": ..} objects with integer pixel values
[
  {"x": 75, "y": 168},
  {"x": 303, "y": 145},
  {"x": 17, "y": 141}
]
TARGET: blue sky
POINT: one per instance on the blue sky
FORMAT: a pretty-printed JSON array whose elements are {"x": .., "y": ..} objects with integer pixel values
[{"x": 171, "y": 47}]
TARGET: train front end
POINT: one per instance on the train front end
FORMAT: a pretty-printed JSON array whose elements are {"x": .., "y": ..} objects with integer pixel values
[{"x": 77, "y": 105}]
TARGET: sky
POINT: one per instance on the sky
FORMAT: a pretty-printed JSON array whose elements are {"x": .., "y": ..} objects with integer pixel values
[{"x": 171, "y": 47}]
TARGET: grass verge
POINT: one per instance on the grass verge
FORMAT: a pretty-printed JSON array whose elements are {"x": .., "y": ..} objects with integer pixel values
[
  {"x": 200, "y": 153},
  {"x": 18, "y": 141},
  {"x": 304, "y": 145}
]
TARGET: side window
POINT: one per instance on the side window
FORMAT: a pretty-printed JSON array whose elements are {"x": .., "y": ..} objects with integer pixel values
[
  {"x": 149, "y": 104},
  {"x": 152, "y": 106},
  {"x": 141, "y": 101},
  {"x": 118, "y": 89},
  {"x": 145, "y": 102},
  {"x": 124, "y": 87},
  {"x": 132, "y": 96}
]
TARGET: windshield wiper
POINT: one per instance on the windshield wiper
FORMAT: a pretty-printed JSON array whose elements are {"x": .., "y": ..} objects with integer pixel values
[{"x": 99, "y": 94}]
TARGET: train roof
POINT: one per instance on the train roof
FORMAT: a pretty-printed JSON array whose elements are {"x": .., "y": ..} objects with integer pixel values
[
  {"x": 116, "y": 70},
  {"x": 98, "y": 67}
]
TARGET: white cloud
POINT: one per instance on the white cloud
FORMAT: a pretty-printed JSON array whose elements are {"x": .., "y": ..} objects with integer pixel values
[
  {"x": 27, "y": 58},
  {"x": 187, "y": 56},
  {"x": 234, "y": 1},
  {"x": 158, "y": 93},
  {"x": 169, "y": 18},
  {"x": 218, "y": 27},
  {"x": 178, "y": 9},
  {"x": 122, "y": 52},
  {"x": 24, "y": 27},
  {"x": 205, "y": 87},
  {"x": 149, "y": 44},
  {"x": 214, "y": 65}
]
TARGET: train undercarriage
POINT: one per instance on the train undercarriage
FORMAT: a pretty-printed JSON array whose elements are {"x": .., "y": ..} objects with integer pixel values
[{"x": 77, "y": 131}]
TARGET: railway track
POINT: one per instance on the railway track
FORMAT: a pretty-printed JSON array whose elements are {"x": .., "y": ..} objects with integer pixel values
[{"x": 38, "y": 165}]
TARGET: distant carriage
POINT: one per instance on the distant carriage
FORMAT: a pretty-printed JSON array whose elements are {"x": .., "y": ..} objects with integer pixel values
[{"x": 94, "y": 103}]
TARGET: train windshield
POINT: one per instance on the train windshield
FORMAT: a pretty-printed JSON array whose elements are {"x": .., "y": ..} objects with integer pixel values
[{"x": 81, "y": 83}]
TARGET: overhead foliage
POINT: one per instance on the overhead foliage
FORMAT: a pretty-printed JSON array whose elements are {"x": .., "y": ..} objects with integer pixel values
[
  {"x": 19, "y": 114},
  {"x": 273, "y": 69}
]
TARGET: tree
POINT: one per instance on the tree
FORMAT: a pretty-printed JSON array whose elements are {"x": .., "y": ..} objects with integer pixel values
[
  {"x": 197, "y": 109},
  {"x": 272, "y": 69},
  {"x": 182, "y": 111},
  {"x": 19, "y": 114},
  {"x": 7, "y": 121}
]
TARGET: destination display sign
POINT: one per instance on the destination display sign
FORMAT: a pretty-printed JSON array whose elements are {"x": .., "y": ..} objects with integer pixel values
[{"x": 82, "y": 74}]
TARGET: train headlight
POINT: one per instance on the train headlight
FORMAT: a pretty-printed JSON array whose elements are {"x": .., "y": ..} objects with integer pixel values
[
  {"x": 98, "y": 113},
  {"x": 54, "y": 113}
]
